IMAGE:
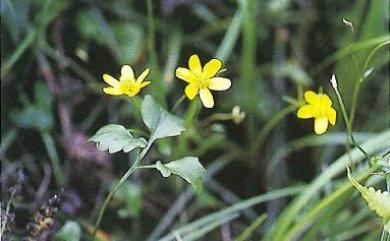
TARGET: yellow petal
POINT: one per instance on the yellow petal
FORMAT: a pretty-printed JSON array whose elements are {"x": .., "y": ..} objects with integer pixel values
[
  {"x": 311, "y": 97},
  {"x": 320, "y": 125},
  {"x": 110, "y": 80},
  {"x": 127, "y": 72},
  {"x": 305, "y": 112},
  {"x": 143, "y": 75},
  {"x": 212, "y": 68},
  {"x": 206, "y": 97},
  {"x": 184, "y": 74},
  {"x": 331, "y": 113},
  {"x": 191, "y": 91},
  {"x": 219, "y": 83},
  {"x": 112, "y": 91},
  {"x": 144, "y": 83},
  {"x": 194, "y": 64},
  {"x": 325, "y": 100}
]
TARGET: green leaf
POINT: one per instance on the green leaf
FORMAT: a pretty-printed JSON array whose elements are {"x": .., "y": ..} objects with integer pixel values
[
  {"x": 189, "y": 168},
  {"x": 377, "y": 201},
  {"x": 71, "y": 231},
  {"x": 115, "y": 138},
  {"x": 160, "y": 123}
]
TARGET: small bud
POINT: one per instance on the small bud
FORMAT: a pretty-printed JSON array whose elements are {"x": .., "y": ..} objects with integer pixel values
[
  {"x": 334, "y": 81},
  {"x": 237, "y": 114},
  {"x": 348, "y": 24}
]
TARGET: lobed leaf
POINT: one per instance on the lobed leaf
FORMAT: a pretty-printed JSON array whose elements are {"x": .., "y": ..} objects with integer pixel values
[
  {"x": 160, "y": 123},
  {"x": 189, "y": 168},
  {"x": 115, "y": 138},
  {"x": 377, "y": 201}
]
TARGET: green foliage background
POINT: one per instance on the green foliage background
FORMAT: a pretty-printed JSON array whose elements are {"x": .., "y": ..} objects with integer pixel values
[{"x": 55, "y": 52}]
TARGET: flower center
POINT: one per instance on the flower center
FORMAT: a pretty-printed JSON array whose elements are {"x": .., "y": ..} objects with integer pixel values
[
  {"x": 128, "y": 87},
  {"x": 320, "y": 110},
  {"x": 201, "y": 81}
]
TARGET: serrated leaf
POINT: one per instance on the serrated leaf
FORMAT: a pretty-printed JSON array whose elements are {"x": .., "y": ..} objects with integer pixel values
[
  {"x": 160, "y": 123},
  {"x": 189, "y": 168},
  {"x": 115, "y": 138},
  {"x": 71, "y": 231},
  {"x": 377, "y": 201}
]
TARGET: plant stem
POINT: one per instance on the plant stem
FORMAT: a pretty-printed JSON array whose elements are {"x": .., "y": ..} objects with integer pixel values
[
  {"x": 361, "y": 79},
  {"x": 217, "y": 117},
  {"x": 54, "y": 159},
  {"x": 26, "y": 42},
  {"x": 119, "y": 184},
  {"x": 158, "y": 85},
  {"x": 178, "y": 102},
  {"x": 351, "y": 138}
]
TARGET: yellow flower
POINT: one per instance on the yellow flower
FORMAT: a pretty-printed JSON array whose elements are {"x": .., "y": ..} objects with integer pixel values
[
  {"x": 320, "y": 108},
  {"x": 127, "y": 84},
  {"x": 202, "y": 80}
]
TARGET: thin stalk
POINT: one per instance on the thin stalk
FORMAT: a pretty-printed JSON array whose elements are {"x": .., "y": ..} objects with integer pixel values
[
  {"x": 178, "y": 102},
  {"x": 351, "y": 138},
  {"x": 158, "y": 85},
  {"x": 119, "y": 184},
  {"x": 26, "y": 42},
  {"x": 217, "y": 117},
  {"x": 54, "y": 159},
  {"x": 360, "y": 81},
  {"x": 248, "y": 62}
]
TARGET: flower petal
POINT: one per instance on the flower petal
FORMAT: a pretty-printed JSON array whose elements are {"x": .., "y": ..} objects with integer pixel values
[
  {"x": 311, "y": 97},
  {"x": 320, "y": 125},
  {"x": 194, "y": 64},
  {"x": 325, "y": 100},
  {"x": 191, "y": 91},
  {"x": 110, "y": 80},
  {"x": 144, "y": 83},
  {"x": 112, "y": 91},
  {"x": 219, "y": 83},
  {"x": 184, "y": 74},
  {"x": 143, "y": 75},
  {"x": 305, "y": 112},
  {"x": 207, "y": 98},
  {"x": 331, "y": 113},
  {"x": 212, "y": 68},
  {"x": 127, "y": 72}
]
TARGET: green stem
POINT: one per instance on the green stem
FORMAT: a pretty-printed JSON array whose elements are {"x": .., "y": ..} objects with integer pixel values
[
  {"x": 54, "y": 159},
  {"x": 360, "y": 81},
  {"x": 27, "y": 41},
  {"x": 217, "y": 117},
  {"x": 351, "y": 138},
  {"x": 158, "y": 85},
  {"x": 178, "y": 102},
  {"x": 119, "y": 184}
]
